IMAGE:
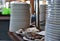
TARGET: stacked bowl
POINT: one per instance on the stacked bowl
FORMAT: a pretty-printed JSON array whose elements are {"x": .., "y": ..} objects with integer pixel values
[
  {"x": 53, "y": 21},
  {"x": 20, "y": 16}
]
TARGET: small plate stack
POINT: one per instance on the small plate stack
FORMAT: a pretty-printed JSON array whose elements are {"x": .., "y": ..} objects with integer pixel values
[
  {"x": 53, "y": 21},
  {"x": 20, "y": 16}
]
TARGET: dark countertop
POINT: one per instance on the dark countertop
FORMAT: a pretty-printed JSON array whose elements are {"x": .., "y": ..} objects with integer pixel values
[
  {"x": 4, "y": 17},
  {"x": 15, "y": 37}
]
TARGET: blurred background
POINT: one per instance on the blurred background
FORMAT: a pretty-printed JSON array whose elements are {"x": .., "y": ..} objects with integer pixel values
[{"x": 5, "y": 16}]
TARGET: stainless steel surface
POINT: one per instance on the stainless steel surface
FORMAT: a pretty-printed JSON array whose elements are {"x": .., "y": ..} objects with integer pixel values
[{"x": 37, "y": 14}]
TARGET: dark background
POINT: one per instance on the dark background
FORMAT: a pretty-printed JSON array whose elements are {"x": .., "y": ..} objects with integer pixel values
[{"x": 4, "y": 28}]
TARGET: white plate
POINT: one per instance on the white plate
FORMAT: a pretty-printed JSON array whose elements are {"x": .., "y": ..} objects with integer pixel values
[
  {"x": 52, "y": 38},
  {"x": 56, "y": 36}
]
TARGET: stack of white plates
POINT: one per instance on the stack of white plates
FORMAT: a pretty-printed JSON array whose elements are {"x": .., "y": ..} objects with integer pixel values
[
  {"x": 42, "y": 12},
  {"x": 53, "y": 22},
  {"x": 20, "y": 16},
  {"x": 42, "y": 15}
]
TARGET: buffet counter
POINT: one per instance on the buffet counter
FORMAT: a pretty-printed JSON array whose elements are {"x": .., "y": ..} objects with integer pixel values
[{"x": 15, "y": 37}]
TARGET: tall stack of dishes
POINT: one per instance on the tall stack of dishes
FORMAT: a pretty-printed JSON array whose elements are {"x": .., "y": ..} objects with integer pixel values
[
  {"x": 20, "y": 16},
  {"x": 53, "y": 21},
  {"x": 42, "y": 12},
  {"x": 42, "y": 16}
]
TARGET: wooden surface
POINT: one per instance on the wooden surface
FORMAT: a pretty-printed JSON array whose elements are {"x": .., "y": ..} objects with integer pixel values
[
  {"x": 32, "y": 5},
  {"x": 15, "y": 37},
  {"x": 4, "y": 17}
]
